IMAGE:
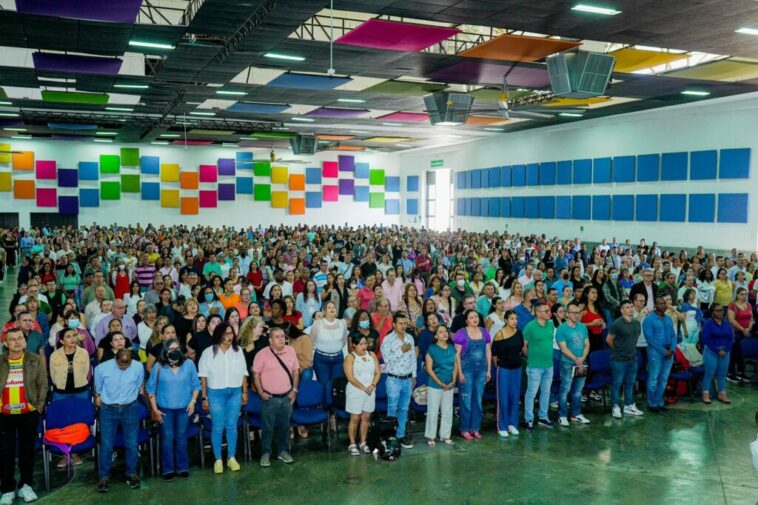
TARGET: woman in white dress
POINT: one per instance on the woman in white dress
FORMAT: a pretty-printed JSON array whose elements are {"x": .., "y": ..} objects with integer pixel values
[{"x": 363, "y": 373}]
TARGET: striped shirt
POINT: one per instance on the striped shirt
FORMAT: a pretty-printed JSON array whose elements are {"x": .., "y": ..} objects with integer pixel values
[
  {"x": 145, "y": 275},
  {"x": 14, "y": 394}
]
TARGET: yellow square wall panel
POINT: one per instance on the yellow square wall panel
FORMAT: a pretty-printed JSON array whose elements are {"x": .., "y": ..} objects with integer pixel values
[
  {"x": 170, "y": 198},
  {"x": 279, "y": 199},
  {"x": 6, "y": 184},
  {"x": 169, "y": 172},
  {"x": 279, "y": 175}
]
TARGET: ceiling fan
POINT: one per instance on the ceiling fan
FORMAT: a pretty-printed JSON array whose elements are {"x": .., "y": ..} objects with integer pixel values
[{"x": 276, "y": 159}]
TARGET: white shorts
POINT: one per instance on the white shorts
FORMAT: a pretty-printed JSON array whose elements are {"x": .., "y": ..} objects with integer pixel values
[{"x": 357, "y": 401}]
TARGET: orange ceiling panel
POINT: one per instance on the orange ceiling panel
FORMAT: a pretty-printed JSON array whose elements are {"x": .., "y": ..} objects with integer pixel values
[
  {"x": 347, "y": 148},
  {"x": 324, "y": 136},
  {"x": 519, "y": 48},
  {"x": 484, "y": 120}
]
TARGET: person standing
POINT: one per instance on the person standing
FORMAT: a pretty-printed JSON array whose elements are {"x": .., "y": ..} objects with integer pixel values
[
  {"x": 538, "y": 348},
  {"x": 574, "y": 343},
  {"x": 661, "y": 342},
  {"x": 118, "y": 383},
  {"x": 718, "y": 339},
  {"x": 23, "y": 392},
  {"x": 442, "y": 366},
  {"x": 172, "y": 390},
  {"x": 623, "y": 337},
  {"x": 363, "y": 373},
  {"x": 472, "y": 344},
  {"x": 275, "y": 373},
  {"x": 506, "y": 350},
  {"x": 329, "y": 336},
  {"x": 400, "y": 365},
  {"x": 223, "y": 375}
]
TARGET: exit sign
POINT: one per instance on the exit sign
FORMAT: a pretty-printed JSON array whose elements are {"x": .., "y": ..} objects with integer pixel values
[{"x": 437, "y": 163}]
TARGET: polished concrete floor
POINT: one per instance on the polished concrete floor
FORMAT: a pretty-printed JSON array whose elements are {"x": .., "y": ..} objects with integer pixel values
[{"x": 692, "y": 455}]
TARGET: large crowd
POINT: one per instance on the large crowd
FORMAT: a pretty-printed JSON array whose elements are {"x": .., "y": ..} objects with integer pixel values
[{"x": 172, "y": 323}]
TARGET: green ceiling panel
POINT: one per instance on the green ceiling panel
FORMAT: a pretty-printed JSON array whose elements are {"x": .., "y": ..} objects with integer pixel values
[
  {"x": 75, "y": 97},
  {"x": 130, "y": 156},
  {"x": 130, "y": 183},
  {"x": 376, "y": 200},
  {"x": 110, "y": 163},
  {"x": 262, "y": 193},
  {"x": 405, "y": 88},
  {"x": 110, "y": 190}
]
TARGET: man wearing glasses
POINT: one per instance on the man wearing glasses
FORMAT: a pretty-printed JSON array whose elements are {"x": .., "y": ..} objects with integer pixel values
[
  {"x": 622, "y": 339},
  {"x": 574, "y": 343},
  {"x": 538, "y": 349}
]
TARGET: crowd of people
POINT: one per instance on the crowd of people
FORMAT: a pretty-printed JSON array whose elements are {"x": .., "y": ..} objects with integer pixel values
[{"x": 200, "y": 321}]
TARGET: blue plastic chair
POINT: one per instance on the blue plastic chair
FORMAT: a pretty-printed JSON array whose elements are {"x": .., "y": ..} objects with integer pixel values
[
  {"x": 422, "y": 379},
  {"x": 251, "y": 415},
  {"x": 310, "y": 409},
  {"x": 600, "y": 372},
  {"x": 381, "y": 395},
  {"x": 749, "y": 348},
  {"x": 336, "y": 413},
  {"x": 65, "y": 413}
]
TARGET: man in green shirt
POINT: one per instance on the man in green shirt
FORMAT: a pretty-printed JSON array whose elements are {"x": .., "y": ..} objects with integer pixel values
[{"x": 538, "y": 348}]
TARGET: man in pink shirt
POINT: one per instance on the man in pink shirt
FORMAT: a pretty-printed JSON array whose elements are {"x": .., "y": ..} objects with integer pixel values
[
  {"x": 275, "y": 372},
  {"x": 392, "y": 290}
]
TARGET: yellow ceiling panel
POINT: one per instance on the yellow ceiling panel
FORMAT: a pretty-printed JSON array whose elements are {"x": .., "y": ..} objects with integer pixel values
[
  {"x": 631, "y": 60},
  {"x": 387, "y": 139},
  {"x": 576, "y": 102},
  {"x": 723, "y": 70}
]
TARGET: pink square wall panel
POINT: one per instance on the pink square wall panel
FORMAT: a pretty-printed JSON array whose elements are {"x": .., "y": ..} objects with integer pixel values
[
  {"x": 331, "y": 193},
  {"x": 331, "y": 169},
  {"x": 208, "y": 173},
  {"x": 208, "y": 199},
  {"x": 45, "y": 170},
  {"x": 47, "y": 197}
]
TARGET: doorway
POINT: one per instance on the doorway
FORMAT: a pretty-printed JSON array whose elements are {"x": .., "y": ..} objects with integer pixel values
[
  {"x": 40, "y": 219},
  {"x": 8, "y": 220},
  {"x": 439, "y": 199}
]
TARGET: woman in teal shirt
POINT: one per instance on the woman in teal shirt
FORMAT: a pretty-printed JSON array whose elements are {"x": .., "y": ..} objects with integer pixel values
[
  {"x": 443, "y": 373},
  {"x": 70, "y": 280}
]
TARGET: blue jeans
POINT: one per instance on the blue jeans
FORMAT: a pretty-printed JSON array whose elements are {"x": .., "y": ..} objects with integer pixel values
[
  {"x": 275, "y": 417},
  {"x": 624, "y": 372},
  {"x": 225, "y": 407},
  {"x": 508, "y": 392},
  {"x": 63, "y": 396},
  {"x": 398, "y": 399},
  {"x": 306, "y": 375},
  {"x": 327, "y": 367},
  {"x": 470, "y": 395},
  {"x": 573, "y": 386},
  {"x": 174, "y": 456},
  {"x": 111, "y": 418},
  {"x": 538, "y": 379},
  {"x": 715, "y": 366},
  {"x": 658, "y": 369}
]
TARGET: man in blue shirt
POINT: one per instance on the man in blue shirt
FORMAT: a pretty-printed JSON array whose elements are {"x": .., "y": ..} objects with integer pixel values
[
  {"x": 661, "y": 343},
  {"x": 118, "y": 383},
  {"x": 573, "y": 340}
]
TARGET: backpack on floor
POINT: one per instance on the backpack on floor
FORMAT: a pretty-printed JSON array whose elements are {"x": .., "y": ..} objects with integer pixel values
[
  {"x": 382, "y": 439},
  {"x": 339, "y": 384}
]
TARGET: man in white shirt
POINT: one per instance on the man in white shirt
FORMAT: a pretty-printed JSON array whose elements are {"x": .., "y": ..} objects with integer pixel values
[
  {"x": 393, "y": 290},
  {"x": 93, "y": 308}
]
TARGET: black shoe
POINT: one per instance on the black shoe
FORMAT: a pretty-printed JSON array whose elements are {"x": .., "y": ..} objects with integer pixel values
[
  {"x": 184, "y": 475},
  {"x": 546, "y": 423},
  {"x": 654, "y": 410},
  {"x": 133, "y": 482},
  {"x": 103, "y": 485},
  {"x": 406, "y": 442},
  {"x": 169, "y": 476},
  {"x": 663, "y": 408},
  {"x": 530, "y": 426},
  {"x": 733, "y": 378}
]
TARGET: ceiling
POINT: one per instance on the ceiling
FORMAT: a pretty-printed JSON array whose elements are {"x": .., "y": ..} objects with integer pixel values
[{"x": 214, "y": 82}]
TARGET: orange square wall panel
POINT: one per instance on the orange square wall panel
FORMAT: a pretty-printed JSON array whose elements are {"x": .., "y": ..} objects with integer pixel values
[
  {"x": 519, "y": 48},
  {"x": 297, "y": 182},
  {"x": 23, "y": 190},
  {"x": 297, "y": 206},
  {"x": 189, "y": 180},
  {"x": 190, "y": 206},
  {"x": 23, "y": 160}
]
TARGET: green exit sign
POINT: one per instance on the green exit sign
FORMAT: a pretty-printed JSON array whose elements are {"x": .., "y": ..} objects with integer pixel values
[{"x": 437, "y": 163}]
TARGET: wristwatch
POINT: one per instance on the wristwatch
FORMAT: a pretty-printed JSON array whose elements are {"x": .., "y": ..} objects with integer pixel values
[{"x": 294, "y": 389}]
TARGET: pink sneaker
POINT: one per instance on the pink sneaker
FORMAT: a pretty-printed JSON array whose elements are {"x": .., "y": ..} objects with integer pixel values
[
  {"x": 466, "y": 435},
  {"x": 476, "y": 435}
]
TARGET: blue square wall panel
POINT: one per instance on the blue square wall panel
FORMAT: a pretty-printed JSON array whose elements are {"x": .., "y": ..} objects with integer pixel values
[
  {"x": 313, "y": 176},
  {"x": 392, "y": 207},
  {"x": 460, "y": 180},
  {"x": 89, "y": 197},
  {"x": 411, "y": 206},
  {"x": 533, "y": 174},
  {"x": 505, "y": 206},
  {"x": 648, "y": 167},
  {"x": 476, "y": 179},
  {"x": 646, "y": 208},
  {"x": 701, "y": 208},
  {"x": 150, "y": 165},
  {"x": 563, "y": 172},
  {"x": 411, "y": 183},
  {"x": 582, "y": 171},
  {"x": 580, "y": 207},
  {"x": 673, "y": 208},
  {"x": 361, "y": 171},
  {"x": 532, "y": 207},
  {"x": 547, "y": 207},
  {"x": 484, "y": 176},
  {"x": 361, "y": 193},
  {"x": 392, "y": 184},
  {"x": 476, "y": 207},
  {"x": 733, "y": 208},
  {"x": 517, "y": 206},
  {"x": 601, "y": 170},
  {"x": 547, "y": 173},
  {"x": 151, "y": 191},
  {"x": 734, "y": 164},
  {"x": 563, "y": 207},
  {"x": 245, "y": 185},
  {"x": 601, "y": 207},
  {"x": 460, "y": 206},
  {"x": 505, "y": 176},
  {"x": 493, "y": 206},
  {"x": 622, "y": 208},
  {"x": 674, "y": 166},
  {"x": 88, "y": 171},
  {"x": 623, "y": 168},
  {"x": 495, "y": 175},
  {"x": 313, "y": 199},
  {"x": 518, "y": 175},
  {"x": 703, "y": 165}
]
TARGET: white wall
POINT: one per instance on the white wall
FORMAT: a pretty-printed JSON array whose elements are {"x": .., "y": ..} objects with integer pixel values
[
  {"x": 715, "y": 124},
  {"x": 241, "y": 212}
]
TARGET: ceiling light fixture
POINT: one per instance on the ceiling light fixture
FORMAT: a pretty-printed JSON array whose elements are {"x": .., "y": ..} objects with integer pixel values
[
  {"x": 170, "y": 135},
  {"x": 227, "y": 92},
  {"x": 495, "y": 129},
  {"x": 593, "y": 9},
  {"x": 303, "y": 119},
  {"x": 106, "y": 133},
  {"x": 747, "y": 31},
  {"x": 280, "y": 56},
  {"x": 392, "y": 124},
  {"x": 120, "y": 109},
  {"x": 57, "y": 79},
  {"x": 695, "y": 92},
  {"x": 159, "y": 143},
  {"x": 403, "y": 145},
  {"x": 351, "y": 100},
  {"x": 229, "y": 144},
  {"x": 448, "y": 123},
  {"x": 131, "y": 86},
  {"x": 359, "y": 132},
  {"x": 104, "y": 141},
  {"x": 5, "y": 103},
  {"x": 570, "y": 114},
  {"x": 8, "y": 114},
  {"x": 151, "y": 45},
  {"x": 15, "y": 129},
  {"x": 200, "y": 113},
  {"x": 22, "y": 137}
]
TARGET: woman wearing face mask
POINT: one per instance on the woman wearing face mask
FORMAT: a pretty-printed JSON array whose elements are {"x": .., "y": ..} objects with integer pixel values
[
  {"x": 167, "y": 332},
  {"x": 361, "y": 325},
  {"x": 120, "y": 281},
  {"x": 172, "y": 390},
  {"x": 72, "y": 320},
  {"x": 210, "y": 304}
]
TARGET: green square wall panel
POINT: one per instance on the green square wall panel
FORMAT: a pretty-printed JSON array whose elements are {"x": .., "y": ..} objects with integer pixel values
[
  {"x": 376, "y": 178},
  {"x": 110, "y": 163},
  {"x": 130, "y": 156},
  {"x": 262, "y": 193},
  {"x": 110, "y": 190},
  {"x": 130, "y": 183},
  {"x": 262, "y": 169},
  {"x": 376, "y": 200}
]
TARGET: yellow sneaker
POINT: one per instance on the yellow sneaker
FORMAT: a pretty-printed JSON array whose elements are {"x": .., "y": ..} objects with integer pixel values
[
  {"x": 233, "y": 465},
  {"x": 218, "y": 466}
]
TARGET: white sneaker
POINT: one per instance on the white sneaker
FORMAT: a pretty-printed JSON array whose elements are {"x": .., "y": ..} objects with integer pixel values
[
  {"x": 616, "y": 412},
  {"x": 512, "y": 430},
  {"x": 580, "y": 419},
  {"x": 27, "y": 493},
  {"x": 563, "y": 421},
  {"x": 633, "y": 410},
  {"x": 7, "y": 498},
  {"x": 554, "y": 406},
  {"x": 503, "y": 434}
]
